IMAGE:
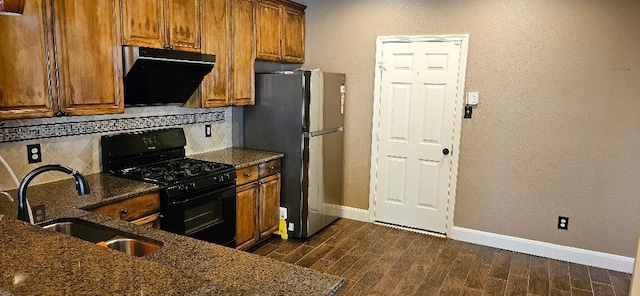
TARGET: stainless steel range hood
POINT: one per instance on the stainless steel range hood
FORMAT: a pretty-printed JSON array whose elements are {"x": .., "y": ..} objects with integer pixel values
[{"x": 159, "y": 77}]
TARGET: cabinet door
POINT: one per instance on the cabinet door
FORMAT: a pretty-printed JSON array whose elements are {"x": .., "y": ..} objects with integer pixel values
[
  {"x": 215, "y": 36},
  {"x": 242, "y": 53},
  {"x": 143, "y": 23},
  {"x": 25, "y": 74},
  {"x": 268, "y": 31},
  {"x": 293, "y": 35},
  {"x": 246, "y": 211},
  {"x": 88, "y": 56},
  {"x": 269, "y": 205},
  {"x": 183, "y": 24}
]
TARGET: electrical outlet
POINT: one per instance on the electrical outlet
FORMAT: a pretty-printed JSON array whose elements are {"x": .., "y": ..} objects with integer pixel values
[
  {"x": 283, "y": 213},
  {"x": 468, "y": 111},
  {"x": 563, "y": 223},
  {"x": 207, "y": 130},
  {"x": 39, "y": 213},
  {"x": 34, "y": 153}
]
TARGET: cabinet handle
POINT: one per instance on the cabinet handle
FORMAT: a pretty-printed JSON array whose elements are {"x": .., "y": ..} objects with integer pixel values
[
  {"x": 124, "y": 212},
  {"x": 167, "y": 46},
  {"x": 271, "y": 168},
  {"x": 247, "y": 175}
]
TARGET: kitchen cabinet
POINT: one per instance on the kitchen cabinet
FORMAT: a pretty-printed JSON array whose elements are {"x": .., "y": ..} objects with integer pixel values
[
  {"x": 228, "y": 34},
  {"x": 88, "y": 56},
  {"x": 170, "y": 24},
  {"x": 142, "y": 210},
  {"x": 82, "y": 76},
  {"x": 257, "y": 203},
  {"x": 26, "y": 75},
  {"x": 280, "y": 31}
]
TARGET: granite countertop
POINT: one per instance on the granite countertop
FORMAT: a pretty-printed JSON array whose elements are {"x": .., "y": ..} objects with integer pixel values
[
  {"x": 239, "y": 157},
  {"x": 39, "y": 261},
  {"x": 60, "y": 198}
]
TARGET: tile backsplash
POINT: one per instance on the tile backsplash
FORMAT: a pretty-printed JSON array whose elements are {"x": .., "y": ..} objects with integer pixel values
[{"x": 75, "y": 141}]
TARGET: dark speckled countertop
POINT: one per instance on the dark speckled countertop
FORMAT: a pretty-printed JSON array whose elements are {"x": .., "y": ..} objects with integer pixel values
[
  {"x": 36, "y": 261},
  {"x": 239, "y": 157},
  {"x": 61, "y": 197}
]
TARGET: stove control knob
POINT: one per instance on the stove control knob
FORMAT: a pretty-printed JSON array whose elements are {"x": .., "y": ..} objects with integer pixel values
[{"x": 186, "y": 187}]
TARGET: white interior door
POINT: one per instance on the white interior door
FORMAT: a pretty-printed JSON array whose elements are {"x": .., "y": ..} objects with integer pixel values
[{"x": 419, "y": 85}]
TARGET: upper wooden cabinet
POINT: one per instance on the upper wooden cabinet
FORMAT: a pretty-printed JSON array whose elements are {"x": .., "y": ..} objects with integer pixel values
[
  {"x": 279, "y": 31},
  {"x": 25, "y": 74},
  {"x": 84, "y": 75},
  {"x": 173, "y": 24},
  {"x": 88, "y": 56},
  {"x": 227, "y": 32}
]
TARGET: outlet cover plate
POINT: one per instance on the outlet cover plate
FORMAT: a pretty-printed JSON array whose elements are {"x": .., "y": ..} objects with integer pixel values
[
  {"x": 563, "y": 223},
  {"x": 34, "y": 153}
]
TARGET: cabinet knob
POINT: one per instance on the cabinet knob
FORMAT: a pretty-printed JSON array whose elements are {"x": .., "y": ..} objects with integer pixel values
[
  {"x": 247, "y": 175},
  {"x": 271, "y": 168},
  {"x": 124, "y": 212}
]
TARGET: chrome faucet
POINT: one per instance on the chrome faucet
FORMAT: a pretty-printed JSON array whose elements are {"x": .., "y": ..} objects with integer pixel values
[{"x": 81, "y": 185}]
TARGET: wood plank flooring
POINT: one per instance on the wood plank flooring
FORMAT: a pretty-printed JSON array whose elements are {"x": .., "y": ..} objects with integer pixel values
[{"x": 379, "y": 260}]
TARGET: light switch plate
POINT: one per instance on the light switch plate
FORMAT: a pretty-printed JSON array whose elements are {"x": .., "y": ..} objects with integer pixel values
[{"x": 207, "y": 130}]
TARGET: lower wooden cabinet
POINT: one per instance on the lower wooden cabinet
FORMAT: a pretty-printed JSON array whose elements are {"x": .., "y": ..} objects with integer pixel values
[
  {"x": 257, "y": 203},
  {"x": 246, "y": 212},
  {"x": 269, "y": 205},
  {"x": 141, "y": 210}
]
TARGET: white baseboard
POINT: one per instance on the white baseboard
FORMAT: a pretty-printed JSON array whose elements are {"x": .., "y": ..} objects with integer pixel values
[
  {"x": 346, "y": 212},
  {"x": 543, "y": 249}
]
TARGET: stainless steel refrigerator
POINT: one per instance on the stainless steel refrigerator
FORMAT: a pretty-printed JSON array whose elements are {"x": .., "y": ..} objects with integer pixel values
[{"x": 301, "y": 114}]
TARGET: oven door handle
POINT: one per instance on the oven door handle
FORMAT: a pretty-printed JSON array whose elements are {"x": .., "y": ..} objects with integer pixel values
[{"x": 184, "y": 201}]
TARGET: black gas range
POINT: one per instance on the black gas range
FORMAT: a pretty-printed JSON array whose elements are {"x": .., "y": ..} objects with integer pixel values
[{"x": 197, "y": 197}]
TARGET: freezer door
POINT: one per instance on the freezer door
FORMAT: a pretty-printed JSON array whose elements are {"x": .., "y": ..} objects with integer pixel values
[
  {"x": 323, "y": 104},
  {"x": 324, "y": 180}
]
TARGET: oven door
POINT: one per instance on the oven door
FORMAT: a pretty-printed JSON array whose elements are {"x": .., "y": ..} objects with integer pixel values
[{"x": 208, "y": 215}]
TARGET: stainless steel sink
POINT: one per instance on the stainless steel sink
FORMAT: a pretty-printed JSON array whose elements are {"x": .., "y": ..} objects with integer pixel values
[
  {"x": 82, "y": 230},
  {"x": 132, "y": 246},
  {"x": 104, "y": 236}
]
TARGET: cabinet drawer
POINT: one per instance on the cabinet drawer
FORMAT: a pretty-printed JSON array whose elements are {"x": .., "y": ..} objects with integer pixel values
[
  {"x": 269, "y": 168},
  {"x": 247, "y": 175},
  {"x": 132, "y": 209}
]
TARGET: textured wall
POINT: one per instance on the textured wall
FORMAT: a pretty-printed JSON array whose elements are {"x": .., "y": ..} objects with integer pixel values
[
  {"x": 82, "y": 153},
  {"x": 557, "y": 131}
]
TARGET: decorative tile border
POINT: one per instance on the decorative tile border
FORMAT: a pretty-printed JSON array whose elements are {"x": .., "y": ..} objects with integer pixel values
[{"x": 64, "y": 129}]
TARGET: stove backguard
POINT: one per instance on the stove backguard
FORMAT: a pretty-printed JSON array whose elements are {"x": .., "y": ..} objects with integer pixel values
[{"x": 127, "y": 150}]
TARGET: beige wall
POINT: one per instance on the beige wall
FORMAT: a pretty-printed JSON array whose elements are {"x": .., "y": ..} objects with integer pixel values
[{"x": 557, "y": 131}]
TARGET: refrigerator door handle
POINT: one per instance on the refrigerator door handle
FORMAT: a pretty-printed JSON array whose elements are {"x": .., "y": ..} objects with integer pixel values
[{"x": 322, "y": 132}]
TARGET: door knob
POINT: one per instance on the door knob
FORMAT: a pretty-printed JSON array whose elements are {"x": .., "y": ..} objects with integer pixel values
[{"x": 445, "y": 151}]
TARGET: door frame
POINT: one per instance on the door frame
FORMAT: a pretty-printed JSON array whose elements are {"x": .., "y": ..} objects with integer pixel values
[{"x": 457, "y": 125}]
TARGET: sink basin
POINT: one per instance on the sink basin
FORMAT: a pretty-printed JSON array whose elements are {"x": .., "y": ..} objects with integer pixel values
[
  {"x": 132, "y": 246},
  {"x": 104, "y": 236},
  {"x": 82, "y": 230}
]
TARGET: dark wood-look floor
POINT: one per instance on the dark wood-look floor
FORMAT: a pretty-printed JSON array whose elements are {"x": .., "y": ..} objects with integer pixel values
[{"x": 379, "y": 260}]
